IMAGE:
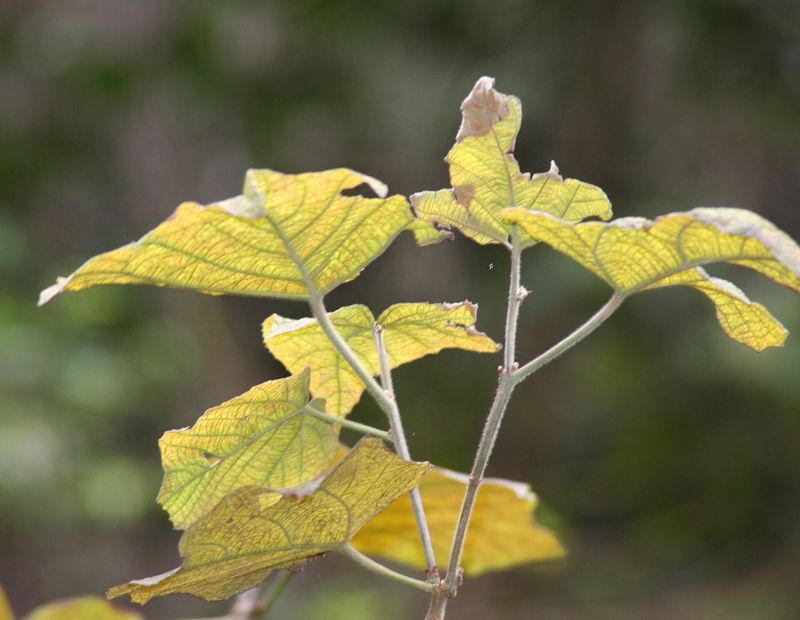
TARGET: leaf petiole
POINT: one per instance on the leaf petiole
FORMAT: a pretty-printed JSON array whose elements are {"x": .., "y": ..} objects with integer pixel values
[
  {"x": 384, "y": 571},
  {"x": 364, "y": 429},
  {"x": 597, "y": 319}
]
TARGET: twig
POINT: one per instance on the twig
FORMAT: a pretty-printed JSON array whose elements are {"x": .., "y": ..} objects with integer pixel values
[
  {"x": 384, "y": 401},
  {"x": 505, "y": 387},
  {"x": 510, "y": 376},
  {"x": 396, "y": 425}
]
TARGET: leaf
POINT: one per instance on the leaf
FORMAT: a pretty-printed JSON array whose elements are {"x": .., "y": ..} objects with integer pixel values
[
  {"x": 284, "y": 234},
  {"x": 425, "y": 233},
  {"x": 410, "y": 331},
  {"x": 486, "y": 178},
  {"x": 6, "y": 613},
  {"x": 265, "y": 437},
  {"x": 635, "y": 254},
  {"x": 82, "y": 608},
  {"x": 502, "y": 532},
  {"x": 247, "y": 534}
]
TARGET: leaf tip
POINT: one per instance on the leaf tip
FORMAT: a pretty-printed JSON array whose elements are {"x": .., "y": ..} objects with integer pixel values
[
  {"x": 51, "y": 291},
  {"x": 482, "y": 108},
  {"x": 379, "y": 187}
]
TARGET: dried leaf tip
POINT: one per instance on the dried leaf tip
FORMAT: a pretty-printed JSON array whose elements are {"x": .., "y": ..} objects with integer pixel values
[
  {"x": 51, "y": 291},
  {"x": 482, "y": 108}
]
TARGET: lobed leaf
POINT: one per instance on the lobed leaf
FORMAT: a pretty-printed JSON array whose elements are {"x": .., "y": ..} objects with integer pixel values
[
  {"x": 635, "y": 254},
  {"x": 502, "y": 532},
  {"x": 284, "y": 236},
  {"x": 248, "y": 534},
  {"x": 410, "y": 331},
  {"x": 82, "y": 608},
  {"x": 486, "y": 178},
  {"x": 265, "y": 437}
]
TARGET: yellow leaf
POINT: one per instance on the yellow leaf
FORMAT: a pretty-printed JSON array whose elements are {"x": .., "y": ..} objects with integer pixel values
[
  {"x": 410, "y": 331},
  {"x": 265, "y": 437},
  {"x": 635, "y": 254},
  {"x": 502, "y": 532},
  {"x": 82, "y": 608},
  {"x": 425, "y": 233},
  {"x": 486, "y": 178},
  {"x": 284, "y": 236},
  {"x": 247, "y": 535},
  {"x": 6, "y": 613}
]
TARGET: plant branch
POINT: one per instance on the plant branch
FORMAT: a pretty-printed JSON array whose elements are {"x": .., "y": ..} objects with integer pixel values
[
  {"x": 491, "y": 429},
  {"x": 354, "y": 426},
  {"x": 385, "y": 571},
  {"x": 396, "y": 425},
  {"x": 317, "y": 306},
  {"x": 386, "y": 402},
  {"x": 597, "y": 319}
]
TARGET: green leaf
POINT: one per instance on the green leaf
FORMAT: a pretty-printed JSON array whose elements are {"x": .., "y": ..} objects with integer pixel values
[
  {"x": 248, "y": 534},
  {"x": 636, "y": 254},
  {"x": 502, "y": 532},
  {"x": 410, "y": 331},
  {"x": 265, "y": 437},
  {"x": 283, "y": 237},
  {"x": 82, "y": 608},
  {"x": 486, "y": 178}
]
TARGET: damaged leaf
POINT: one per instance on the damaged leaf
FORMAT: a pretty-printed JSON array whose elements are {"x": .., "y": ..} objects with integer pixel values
[
  {"x": 248, "y": 534},
  {"x": 410, "y": 331},
  {"x": 635, "y": 254},
  {"x": 486, "y": 178},
  {"x": 286, "y": 236},
  {"x": 265, "y": 437}
]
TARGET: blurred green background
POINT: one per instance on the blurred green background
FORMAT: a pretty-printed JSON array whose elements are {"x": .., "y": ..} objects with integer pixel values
[{"x": 667, "y": 455}]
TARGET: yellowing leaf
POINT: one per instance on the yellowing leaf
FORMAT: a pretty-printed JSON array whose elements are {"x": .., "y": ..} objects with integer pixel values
[
  {"x": 247, "y": 534},
  {"x": 82, "y": 608},
  {"x": 284, "y": 235},
  {"x": 634, "y": 254},
  {"x": 265, "y": 437},
  {"x": 486, "y": 178},
  {"x": 502, "y": 532},
  {"x": 425, "y": 233},
  {"x": 6, "y": 613},
  {"x": 410, "y": 331}
]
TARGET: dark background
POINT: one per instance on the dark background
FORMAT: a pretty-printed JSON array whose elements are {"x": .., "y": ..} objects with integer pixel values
[{"x": 666, "y": 455}]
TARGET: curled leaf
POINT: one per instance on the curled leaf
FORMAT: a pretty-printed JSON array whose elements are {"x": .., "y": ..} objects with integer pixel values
[
  {"x": 283, "y": 237},
  {"x": 486, "y": 178},
  {"x": 410, "y": 331},
  {"x": 502, "y": 531},
  {"x": 636, "y": 254},
  {"x": 265, "y": 437},
  {"x": 247, "y": 535}
]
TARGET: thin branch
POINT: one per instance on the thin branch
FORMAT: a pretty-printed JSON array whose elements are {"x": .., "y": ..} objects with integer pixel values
[
  {"x": 373, "y": 387},
  {"x": 384, "y": 571},
  {"x": 385, "y": 402},
  {"x": 396, "y": 424},
  {"x": 354, "y": 426},
  {"x": 491, "y": 429},
  {"x": 597, "y": 319}
]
